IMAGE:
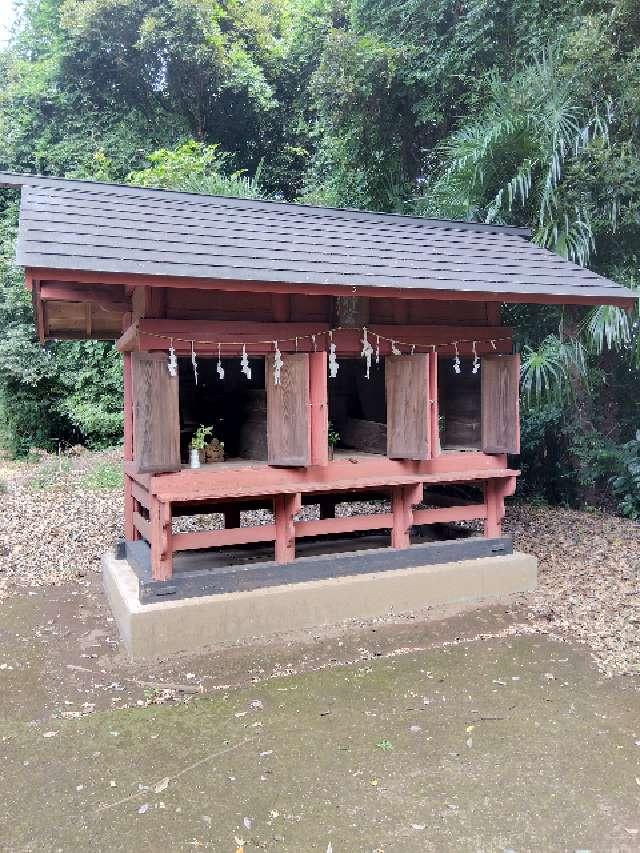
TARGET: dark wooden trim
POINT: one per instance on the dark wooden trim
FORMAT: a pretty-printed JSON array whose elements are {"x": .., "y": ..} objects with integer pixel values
[
  {"x": 234, "y": 578},
  {"x": 573, "y": 294}
]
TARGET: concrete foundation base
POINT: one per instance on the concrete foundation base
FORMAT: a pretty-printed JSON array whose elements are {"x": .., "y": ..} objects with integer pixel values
[{"x": 194, "y": 624}]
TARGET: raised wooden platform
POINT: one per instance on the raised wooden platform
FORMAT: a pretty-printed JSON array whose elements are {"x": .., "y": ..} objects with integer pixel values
[{"x": 153, "y": 499}]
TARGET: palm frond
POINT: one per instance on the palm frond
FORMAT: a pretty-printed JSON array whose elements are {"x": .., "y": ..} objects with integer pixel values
[
  {"x": 546, "y": 372},
  {"x": 609, "y": 325}
]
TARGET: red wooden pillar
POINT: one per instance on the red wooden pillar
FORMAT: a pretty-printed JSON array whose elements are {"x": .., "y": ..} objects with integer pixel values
[
  {"x": 494, "y": 502},
  {"x": 319, "y": 402},
  {"x": 161, "y": 547},
  {"x": 401, "y": 521},
  {"x": 284, "y": 508},
  {"x": 434, "y": 406},
  {"x": 130, "y": 533}
]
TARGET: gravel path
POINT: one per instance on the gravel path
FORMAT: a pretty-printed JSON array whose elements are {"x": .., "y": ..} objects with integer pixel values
[{"x": 61, "y": 515}]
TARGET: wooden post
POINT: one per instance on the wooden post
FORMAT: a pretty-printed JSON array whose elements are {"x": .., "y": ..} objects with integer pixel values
[
  {"x": 319, "y": 402},
  {"x": 232, "y": 516},
  {"x": 161, "y": 535},
  {"x": 130, "y": 533},
  {"x": 434, "y": 405},
  {"x": 284, "y": 508},
  {"x": 402, "y": 517},
  {"x": 493, "y": 498}
]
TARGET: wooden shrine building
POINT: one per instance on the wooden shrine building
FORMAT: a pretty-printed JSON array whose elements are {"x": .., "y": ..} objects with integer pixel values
[{"x": 269, "y": 321}]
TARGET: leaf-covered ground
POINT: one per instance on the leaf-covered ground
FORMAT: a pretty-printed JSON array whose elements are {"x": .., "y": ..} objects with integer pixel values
[{"x": 60, "y": 515}]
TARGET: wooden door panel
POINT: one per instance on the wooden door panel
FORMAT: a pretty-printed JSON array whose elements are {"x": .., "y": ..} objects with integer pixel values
[
  {"x": 408, "y": 420},
  {"x": 500, "y": 425},
  {"x": 288, "y": 420},
  {"x": 156, "y": 414}
]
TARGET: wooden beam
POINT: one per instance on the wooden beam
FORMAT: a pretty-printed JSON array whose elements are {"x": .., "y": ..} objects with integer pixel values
[
  {"x": 223, "y": 538},
  {"x": 345, "y": 524},
  {"x": 141, "y": 495},
  {"x": 470, "y": 512},
  {"x": 63, "y": 292},
  {"x": 142, "y": 525},
  {"x": 281, "y": 306},
  {"x": 196, "y": 283},
  {"x": 259, "y": 337}
]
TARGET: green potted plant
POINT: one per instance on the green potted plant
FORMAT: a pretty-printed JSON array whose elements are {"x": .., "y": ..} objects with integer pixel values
[
  {"x": 334, "y": 438},
  {"x": 198, "y": 441}
]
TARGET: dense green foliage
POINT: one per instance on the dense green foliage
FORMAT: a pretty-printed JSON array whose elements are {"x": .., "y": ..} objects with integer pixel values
[{"x": 523, "y": 112}]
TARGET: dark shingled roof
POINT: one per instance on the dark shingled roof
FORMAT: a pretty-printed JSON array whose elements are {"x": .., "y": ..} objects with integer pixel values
[{"x": 90, "y": 226}]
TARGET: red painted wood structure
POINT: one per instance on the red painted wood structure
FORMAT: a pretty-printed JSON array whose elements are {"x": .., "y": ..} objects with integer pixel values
[{"x": 218, "y": 277}]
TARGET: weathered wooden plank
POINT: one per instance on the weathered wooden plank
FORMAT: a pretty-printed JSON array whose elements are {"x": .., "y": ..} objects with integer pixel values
[
  {"x": 156, "y": 414},
  {"x": 257, "y": 481},
  {"x": 349, "y": 340},
  {"x": 288, "y": 421},
  {"x": 443, "y": 515},
  {"x": 344, "y": 524},
  {"x": 74, "y": 293},
  {"x": 407, "y": 389},
  {"x": 142, "y": 525},
  {"x": 223, "y": 538},
  {"x": 141, "y": 495},
  {"x": 501, "y": 404}
]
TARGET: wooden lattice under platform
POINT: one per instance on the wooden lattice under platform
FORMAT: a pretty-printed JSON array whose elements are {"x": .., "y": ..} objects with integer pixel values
[{"x": 231, "y": 487}]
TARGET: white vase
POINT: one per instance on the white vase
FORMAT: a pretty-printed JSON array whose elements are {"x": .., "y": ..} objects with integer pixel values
[{"x": 195, "y": 458}]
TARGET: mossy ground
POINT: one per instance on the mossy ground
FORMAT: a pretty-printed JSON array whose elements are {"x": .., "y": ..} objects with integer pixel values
[{"x": 506, "y": 743}]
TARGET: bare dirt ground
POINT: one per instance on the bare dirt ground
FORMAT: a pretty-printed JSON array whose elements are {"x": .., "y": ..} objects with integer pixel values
[{"x": 510, "y": 726}]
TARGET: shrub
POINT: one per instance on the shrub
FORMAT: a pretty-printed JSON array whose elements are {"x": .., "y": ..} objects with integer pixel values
[
  {"x": 105, "y": 476},
  {"x": 626, "y": 485}
]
